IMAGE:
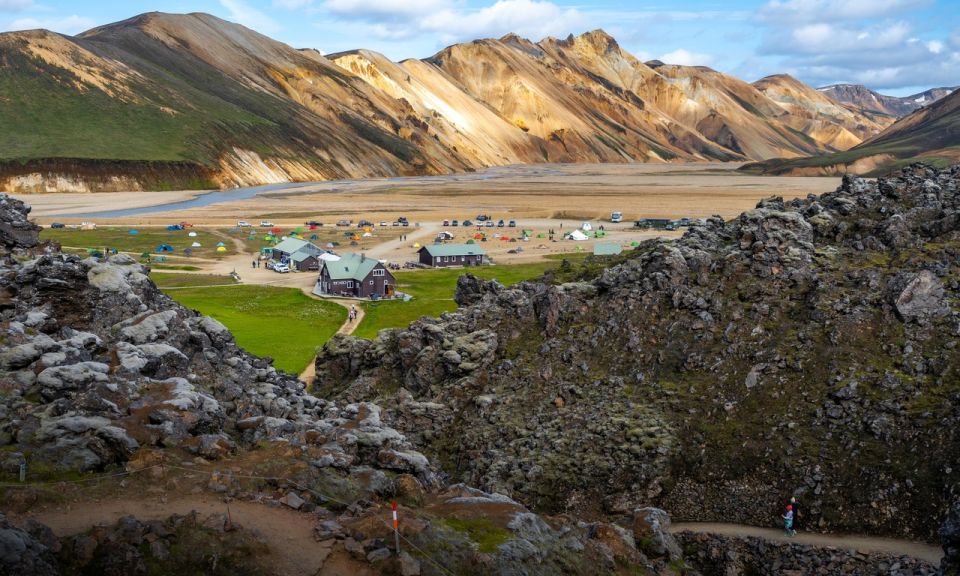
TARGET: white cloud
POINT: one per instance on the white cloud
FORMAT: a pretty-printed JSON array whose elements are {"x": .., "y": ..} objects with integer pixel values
[
  {"x": 67, "y": 25},
  {"x": 451, "y": 20},
  {"x": 387, "y": 9},
  {"x": 242, "y": 13},
  {"x": 935, "y": 46},
  {"x": 686, "y": 58},
  {"x": 15, "y": 5},
  {"x": 797, "y": 11},
  {"x": 292, "y": 4}
]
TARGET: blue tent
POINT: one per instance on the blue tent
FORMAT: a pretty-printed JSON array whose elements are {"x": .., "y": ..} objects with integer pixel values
[
  {"x": 134, "y": 232},
  {"x": 220, "y": 244},
  {"x": 164, "y": 248},
  {"x": 174, "y": 227}
]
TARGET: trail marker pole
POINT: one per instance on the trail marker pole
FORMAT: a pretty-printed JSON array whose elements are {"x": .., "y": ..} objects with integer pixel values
[
  {"x": 396, "y": 532},
  {"x": 23, "y": 473}
]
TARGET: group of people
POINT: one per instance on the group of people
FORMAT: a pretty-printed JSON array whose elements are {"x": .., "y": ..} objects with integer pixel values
[
  {"x": 352, "y": 314},
  {"x": 791, "y": 517},
  {"x": 255, "y": 264}
]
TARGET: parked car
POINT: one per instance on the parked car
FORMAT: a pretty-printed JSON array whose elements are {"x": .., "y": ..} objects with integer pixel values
[
  {"x": 442, "y": 236},
  {"x": 343, "y": 222},
  {"x": 266, "y": 224},
  {"x": 364, "y": 224},
  {"x": 402, "y": 220},
  {"x": 500, "y": 224},
  {"x": 482, "y": 217},
  {"x": 446, "y": 223},
  {"x": 489, "y": 224},
  {"x": 512, "y": 224},
  {"x": 467, "y": 223},
  {"x": 313, "y": 223},
  {"x": 57, "y": 225},
  {"x": 281, "y": 268},
  {"x": 404, "y": 223},
  {"x": 383, "y": 223},
  {"x": 396, "y": 222},
  {"x": 455, "y": 223},
  {"x": 243, "y": 224}
]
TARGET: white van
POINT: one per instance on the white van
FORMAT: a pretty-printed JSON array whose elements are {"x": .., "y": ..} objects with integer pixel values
[{"x": 616, "y": 217}]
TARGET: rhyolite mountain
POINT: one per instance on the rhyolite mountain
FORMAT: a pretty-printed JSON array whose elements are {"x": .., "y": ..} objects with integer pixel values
[
  {"x": 163, "y": 101},
  {"x": 930, "y": 134},
  {"x": 867, "y": 100}
]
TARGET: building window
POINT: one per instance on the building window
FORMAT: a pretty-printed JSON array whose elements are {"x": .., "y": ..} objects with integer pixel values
[
  {"x": 379, "y": 272},
  {"x": 349, "y": 283},
  {"x": 371, "y": 282}
]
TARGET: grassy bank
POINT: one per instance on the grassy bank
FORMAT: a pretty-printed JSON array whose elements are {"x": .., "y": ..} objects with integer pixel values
[
  {"x": 282, "y": 323},
  {"x": 146, "y": 240}
]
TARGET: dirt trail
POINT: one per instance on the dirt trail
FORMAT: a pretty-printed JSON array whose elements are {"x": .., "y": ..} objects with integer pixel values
[
  {"x": 309, "y": 373},
  {"x": 919, "y": 550},
  {"x": 289, "y": 534}
]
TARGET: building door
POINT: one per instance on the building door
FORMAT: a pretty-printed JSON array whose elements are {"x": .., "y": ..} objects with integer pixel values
[{"x": 387, "y": 290}]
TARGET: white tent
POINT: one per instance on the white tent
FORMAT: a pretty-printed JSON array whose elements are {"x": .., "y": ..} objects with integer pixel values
[
  {"x": 577, "y": 235},
  {"x": 192, "y": 234},
  {"x": 586, "y": 227},
  {"x": 196, "y": 244}
]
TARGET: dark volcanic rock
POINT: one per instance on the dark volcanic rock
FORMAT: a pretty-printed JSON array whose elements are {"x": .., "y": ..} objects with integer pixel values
[{"x": 809, "y": 347}]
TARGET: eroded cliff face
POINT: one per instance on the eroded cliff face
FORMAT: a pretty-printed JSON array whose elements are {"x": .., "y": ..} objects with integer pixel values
[
  {"x": 244, "y": 109},
  {"x": 807, "y": 347}
]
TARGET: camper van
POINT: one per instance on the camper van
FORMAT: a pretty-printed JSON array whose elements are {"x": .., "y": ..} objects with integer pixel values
[{"x": 616, "y": 217}]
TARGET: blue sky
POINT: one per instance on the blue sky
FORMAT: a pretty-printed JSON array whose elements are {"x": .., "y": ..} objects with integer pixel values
[{"x": 894, "y": 46}]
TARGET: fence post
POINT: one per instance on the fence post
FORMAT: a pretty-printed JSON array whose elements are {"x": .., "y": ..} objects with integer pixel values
[
  {"x": 23, "y": 471},
  {"x": 396, "y": 531}
]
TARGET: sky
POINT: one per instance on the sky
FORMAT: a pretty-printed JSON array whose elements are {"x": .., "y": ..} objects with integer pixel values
[{"x": 896, "y": 47}]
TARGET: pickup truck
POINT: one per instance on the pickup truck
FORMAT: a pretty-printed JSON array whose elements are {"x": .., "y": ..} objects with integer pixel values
[{"x": 281, "y": 268}]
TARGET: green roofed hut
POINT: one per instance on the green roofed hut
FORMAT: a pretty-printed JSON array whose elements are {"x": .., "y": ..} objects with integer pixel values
[
  {"x": 606, "y": 249},
  {"x": 446, "y": 255},
  {"x": 356, "y": 276},
  {"x": 298, "y": 254}
]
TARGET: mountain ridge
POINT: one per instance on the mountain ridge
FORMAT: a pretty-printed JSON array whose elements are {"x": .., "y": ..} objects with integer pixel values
[{"x": 232, "y": 107}]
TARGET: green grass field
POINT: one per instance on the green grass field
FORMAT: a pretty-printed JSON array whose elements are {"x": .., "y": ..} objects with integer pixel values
[
  {"x": 175, "y": 280},
  {"x": 282, "y": 323},
  {"x": 146, "y": 240},
  {"x": 432, "y": 292}
]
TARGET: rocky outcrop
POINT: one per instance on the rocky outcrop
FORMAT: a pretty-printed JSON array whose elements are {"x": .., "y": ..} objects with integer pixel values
[
  {"x": 950, "y": 539},
  {"x": 22, "y": 553},
  {"x": 721, "y": 555},
  {"x": 808, "y": 347}
]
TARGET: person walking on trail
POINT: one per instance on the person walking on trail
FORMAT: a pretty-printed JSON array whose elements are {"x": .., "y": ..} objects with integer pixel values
[
  {"x": 796, "y": 513},
  {"x": 788, "y": 522},
  {"x": 253, "y": 263}
]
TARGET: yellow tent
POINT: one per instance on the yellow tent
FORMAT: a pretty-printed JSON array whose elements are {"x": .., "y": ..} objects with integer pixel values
[
  {"x": 221, "y": 249},
  {"x": 417, "y": 245}
]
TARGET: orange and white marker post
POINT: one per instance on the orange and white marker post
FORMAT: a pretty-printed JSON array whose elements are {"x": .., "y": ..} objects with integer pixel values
[{"x": 396, "y": 531}]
